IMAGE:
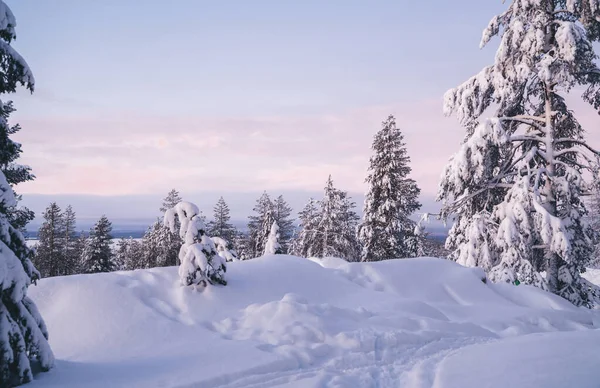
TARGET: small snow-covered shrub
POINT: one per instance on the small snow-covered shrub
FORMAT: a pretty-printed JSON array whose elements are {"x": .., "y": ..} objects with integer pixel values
[{"x": 201, "y": 264}]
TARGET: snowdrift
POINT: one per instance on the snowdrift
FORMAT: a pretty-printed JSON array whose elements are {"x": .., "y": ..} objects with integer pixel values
[{"x": 288, "y": 321}]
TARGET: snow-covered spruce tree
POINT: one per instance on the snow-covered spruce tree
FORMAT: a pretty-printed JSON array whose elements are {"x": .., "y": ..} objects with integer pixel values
[
  {"x": 282, "y": 213},
  {"x": 200, "y": 261},
  {"x": 97, "y": 254},
  {"x": 130, "y": 254},
  {"x": 387, "y": 232},
  {"x": 516, "y": 184},
  {"x": 241, "y": 245},
  {"x": 259, "y": 225},
  {"x": 71, "y": 253},
  {"x": 78, "y": 247},
  {"x": 121, "y": 254},
  {"x": 594, "y": 204},
  {"x": 160, "y": 245},
  {"x": 49, "y": 253},
  {"x": 220, "y": 226},
  {"x": 336, "y": 231},
  {"x": 23, "y": 336},
  {"x": 273, "y": 247},
  {"x": 151, "y": 243},
  {"x": 306, "y": 243},
  {"x": 170, "y": 201}
]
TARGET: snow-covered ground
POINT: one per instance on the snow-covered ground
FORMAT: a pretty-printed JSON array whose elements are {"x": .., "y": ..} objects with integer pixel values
[{"x": 287, "y": 321}]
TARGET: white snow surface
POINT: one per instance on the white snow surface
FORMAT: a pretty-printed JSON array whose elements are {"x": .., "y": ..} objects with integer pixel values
[{"x": 293, "y": 322}]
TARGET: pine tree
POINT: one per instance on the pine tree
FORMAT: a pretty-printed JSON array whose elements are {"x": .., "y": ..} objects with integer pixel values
[
  {"x": 71, "y": 253},
  {"x": 220, "y": 225},
  {"x": 121, "y": 254},
  {"x": 169, "y": 202},
  {"x": 516, "y": 184},
  {"x": 306, "y": 244},
  {"x": 282, "y": 213},
  {"x": 49, "y": 254},
  {"x": 160, "y": 245},
  {"x": 23, "y": 336},
  {"x": 337, "y": 225},
  {"x": 97, "y": 254},
  {"x": 387, "y": 232},
  {"x": 130, "y": 254},
  {"x": 241, "y": 245},
  {"x": 595, "y": 222},
  {"x": 259, "y": 225},
  {"x": 78, "y": 248},
  {"x": 273, "y": 247},
  {"x": 151, "y": 245}
]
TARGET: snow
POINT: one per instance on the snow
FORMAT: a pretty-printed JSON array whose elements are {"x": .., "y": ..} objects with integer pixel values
[{"x": 287, "y": 321}]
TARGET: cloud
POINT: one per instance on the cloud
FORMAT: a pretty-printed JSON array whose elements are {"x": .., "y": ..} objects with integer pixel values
[{"x": 128, "y": 154}]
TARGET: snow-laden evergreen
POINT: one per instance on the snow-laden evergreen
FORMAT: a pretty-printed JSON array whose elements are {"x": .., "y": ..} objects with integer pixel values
[
  {"x": 71, "y": 248},
  {"x": 201, "y": 264},
  {"x": 161, "y": 245},
  {"x": 387, "y": 232},
  {"x": 170, "y": 201},
  {"x": 259, "y": 225},
  {"x": 273, "y": 247},
  {"x": 221, "y": 225},
  {"x": 49, "y": 252},
  {"x": 130, "y": 255},
  {"x": 306, "y": 242},
  {"x": 23, "y": 334},
  {"x": 24, "y": 346},
  {"x": 57, "y": 252},
  {"x": 516, "y": 185},
  {"x": 282, "y": 213},
  {"x": 97, "y": 254},
  {"x": 336, "y": 231}
]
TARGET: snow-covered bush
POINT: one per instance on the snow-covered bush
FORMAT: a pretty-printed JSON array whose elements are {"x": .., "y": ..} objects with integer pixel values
[
  {"x": 225, "y": 249},
  {"x": 201, "y": 264}
]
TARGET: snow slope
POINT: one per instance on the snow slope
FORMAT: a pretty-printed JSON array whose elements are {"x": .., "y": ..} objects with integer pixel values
[{"x": 287, "y": 321}]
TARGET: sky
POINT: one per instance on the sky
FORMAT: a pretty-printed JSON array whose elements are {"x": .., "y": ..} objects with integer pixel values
[{"x": 235, "y": 97}]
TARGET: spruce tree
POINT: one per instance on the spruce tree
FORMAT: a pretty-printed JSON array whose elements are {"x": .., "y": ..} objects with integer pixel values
[
  {"x": 516, "y": 184},
  {"x": 259, "y": 225},
  {"x": 387, "y": 232},
  {"x": 97, "y": 254},
  {"x": 220, "y": 226},
  {"x": 337, "y": 225},
  {"x": 50, "y": 251},
  {"x": 130, "y": 254},
  {"x": 121, "y": 254},
  {"x": 160, "y": 245},
  {"x": 282, "y": 212},
  {"x": 71, "y": 253},
  {"x": 306, "y": 244},
  {"x": 24, "y": 344},
  {"x": 169, "y": 202},
  {"x": 78, "y": 248}
]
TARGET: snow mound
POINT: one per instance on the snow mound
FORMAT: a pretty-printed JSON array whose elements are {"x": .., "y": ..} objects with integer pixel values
[{"x": 287, "y": 321}]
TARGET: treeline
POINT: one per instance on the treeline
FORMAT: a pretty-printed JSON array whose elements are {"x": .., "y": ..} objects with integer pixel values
[{"x": 329, "y": 226}]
